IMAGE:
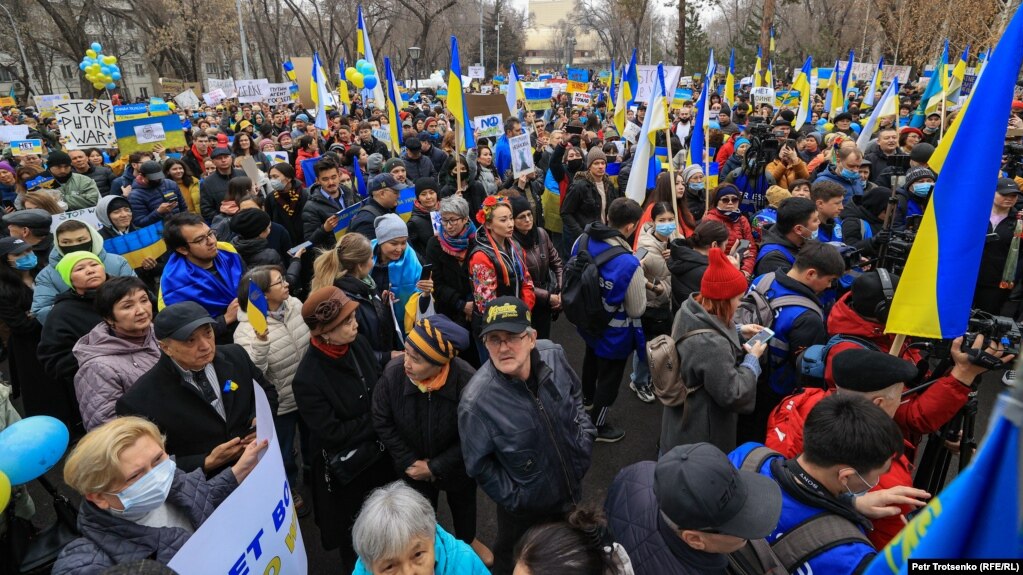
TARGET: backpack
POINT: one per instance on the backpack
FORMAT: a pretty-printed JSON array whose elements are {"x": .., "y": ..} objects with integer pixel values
[
  {"x": 756, "y": 308},
  {"x": 581, "y": 295},
  {"x": 815, "y": 358},
  {"x": 788, "y": 553},
  {"x": 666, "y": 369}
]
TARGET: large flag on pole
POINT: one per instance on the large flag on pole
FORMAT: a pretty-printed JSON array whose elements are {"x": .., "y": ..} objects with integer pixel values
[
  {"x": 342, "y": 88},
  {"x": 932, "y": 299},
  {"x": 512, "y": 96},
  {"x": 802, "y": 84},
  {"x": 846, "y": 76},
  {"x": 888, "y": 105},
  {"x": 456, "y": 103},
  {"x": 875, "y": 85},
  {"x": 626, "y": 92},
  {"x": 730, "y": 80},
  {"x": 834, "y": 104},
  {"x": 394, "y": 105},
  {"x": 646, "y": 166},
  {"x": 366, "y": 51},
  {"x": 319, "y": 92},
  {"x": 612, "y": 88},
  {"x": 769, "y": 74},
  {"x": 698, "y": 143},
  {"x": 955, "y": 83},
  {"x": 758, "y": 81},
  {"x": 930, "y": 102}
]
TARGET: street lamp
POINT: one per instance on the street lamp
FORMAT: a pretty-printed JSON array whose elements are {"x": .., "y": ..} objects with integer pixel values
[
  {"x": 497, "y": 28},
  {"x": 413, "y": 52},
  {"x": 245, "y": 48},
  {"x": 21, "y": 47}
]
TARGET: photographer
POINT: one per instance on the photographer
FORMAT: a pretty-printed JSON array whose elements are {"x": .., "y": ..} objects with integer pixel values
[
  {"x": 750, "y": 177},
  {"x": 863, "y": 220},
  {"x": 995, "y": 281}
]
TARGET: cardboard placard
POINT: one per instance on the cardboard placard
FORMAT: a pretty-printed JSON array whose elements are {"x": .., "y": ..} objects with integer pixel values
[
  {"x": 577, "y": 75},
  {"x": 576, "y": 87},
  {"x": 521, "y": 154},
  {"x": 12, "y": 133},
  {"x": 226, "y": 85},
  {"x": 580, "y": 99},
  {"x": 214, "y": 97},
  {"x": 46, "y": 102},
  {"x": 7, "y": 101},
  {"x": 86, "y": 123},
  {"x": 762, "y": 95},
  {"x": 477, "y": 72},
  {"x": 489, "y": 126},
  {"x": 251, "y": 91},
  {"x": 26, "y": 147},
  {"x": 631, "y": 132},
  {"x": 648, "y": 77},
  {"x": 279, "y": 94},
  {"x": 485, "y": 105},
  {"x": 187, "y": 100},
  {"x": 150, "y": 133}
]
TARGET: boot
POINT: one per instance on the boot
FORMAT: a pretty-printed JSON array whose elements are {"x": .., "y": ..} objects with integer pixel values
[{"x": 484, "y": 552}]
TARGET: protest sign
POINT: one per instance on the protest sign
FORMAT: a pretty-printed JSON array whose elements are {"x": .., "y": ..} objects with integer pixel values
[
  {"x": 131, "y": 111},
  {"x": 580, "y": 99},
  {"x": 304, "y": 69},
  {"x": 477, "y": 72},
  {"x": 521, "y": 154},
  {"x": 489, "y": 126},
  {"x": 762, "y": 95},
  {"x": 171, "y": 86},
  {"x": 485, "y": 105},
  {"x": 227, "y": 85},
  {"x": 578, "y": 75},
  {"x": 864, "y": 71},
  {"x": 150, "y": 133},
  {"x": 538, "y": 98},
  {"x": 128, "y": 140},
  {"x": 382, "y": 134},
  {"x": 7, "y": 101},
  {"x": 46, "y": 102},
  {"x": 213, "y": 97},
  {"x": 250, "y": 91},
  {"x": 576, "y": 87},
  {"x": 648, "y": 77},
  {"x": 277, "y": 157},
  {"x": 139, "y": 245},
  {"x": 279, "y": 94},
  {"x": 87, "y": 215},
  {"x": 86, "y": 123},
  {"x": 631, "y": 132},
  {"x": 486, "y": 89},
  {"x": 255, "y": 530},
  {"x": 11, "y": 133},
  {"x": 187, "y": 100},
  {"x": 158, "y": 107},
  {"x": 682, "y": 95},
  {"x": 25, "y": 147},
  {"x": 786, "y": 98}
]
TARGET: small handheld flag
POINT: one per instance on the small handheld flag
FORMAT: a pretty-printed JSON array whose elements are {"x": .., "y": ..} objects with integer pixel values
[{"x": 258, "y": 309}]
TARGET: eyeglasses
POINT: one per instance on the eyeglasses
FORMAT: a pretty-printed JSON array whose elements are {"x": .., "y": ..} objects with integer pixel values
[
  {"x": 210, "y": 235},
  {"x": 496, "y": 341},
  {"x": 279, "y": 283},
  {"x": 451, "y": 221},
  {"x": 729, "y": 200}
]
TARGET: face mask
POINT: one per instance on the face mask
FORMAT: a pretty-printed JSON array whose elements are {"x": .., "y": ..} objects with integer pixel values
[
  {"x": 146, "y": 494},
  {"x": 855, "y": 494},
  {"x": 733, "y": 215},
  {"x": 851, "y": 175},
  {"x": 922, "y": 189},
  {"x": 26, "y": 262},
  {"x": 696, "y": 186},
  {"x": 86, "y": 247},
  {"x": 814, "y": 234},
  {"x": 576, "y": 164},
  {"x": 665, "y": 229},
  {"x": 930, "y": 130},
  {"x": 276, "y": 185}
]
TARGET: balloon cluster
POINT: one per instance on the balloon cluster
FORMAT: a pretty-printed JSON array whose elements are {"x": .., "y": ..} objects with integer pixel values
[
  {"x": 101, "y": 70},
  {"x": 28, "y": 449},
  {"x": 363, "y": 75}
]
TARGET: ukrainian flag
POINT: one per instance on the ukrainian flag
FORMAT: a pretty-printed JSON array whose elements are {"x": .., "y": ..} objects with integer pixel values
[
  {"x": 344, "y": 219},
  {"x": 257, "y": 309},
  {"x": 730, "y": 80},
  {"x": 933, "y": 300},
  {"x": 835, "y": 101},
  {"x": 456, "y": 103},
  {"x": 138, "y": 245},
  {"x": 930, "y": 102},
  {"x": 366, "y": 52},
  {"x": 769, "y": 74},
  {"x": 888, "y": 105},
  {"x": 698, "y": 143},
  {"x": 394, "y": 104},
  {"x": 875, "y": 85},
  {"x": 626, "y": 92},
  {"x": 612, "y": 88},
  {"x": 758, "y": 82},
  {"x": 646, "y": 164},
  {"x": 289, "y": 71},
  {"x": 318, "y": 89},
  {"x": 360, "y": 179},
  {"x": 342, "y": 88},
  {"x": 770, "y": 47},
  {"x": 955, "y": 84},
  {"x": 846, "y": 76},
  {"x": 802, "y": 84}
]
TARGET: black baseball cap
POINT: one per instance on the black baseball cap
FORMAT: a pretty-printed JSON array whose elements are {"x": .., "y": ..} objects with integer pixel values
[
  {"x": 698, "y": 488},
  {"x": 178, "y": 321},
  {"x": 152, "y": 170},
  {"x": 506, "y": 313},
  {"x": 14, "y": 246},
  {"x": 1007, "y": 186},
  {"x": 381, "y": 181}
]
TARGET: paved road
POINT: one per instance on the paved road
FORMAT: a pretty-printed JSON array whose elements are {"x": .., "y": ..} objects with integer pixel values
[{"x": 640, "y": 421}]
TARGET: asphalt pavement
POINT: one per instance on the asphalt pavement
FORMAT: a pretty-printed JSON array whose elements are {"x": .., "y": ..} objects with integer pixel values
[{"x": 640, "y": 421}]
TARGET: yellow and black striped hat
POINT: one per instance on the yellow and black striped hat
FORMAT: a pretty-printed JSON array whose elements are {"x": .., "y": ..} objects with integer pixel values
[{"x": 438, "y": 339}]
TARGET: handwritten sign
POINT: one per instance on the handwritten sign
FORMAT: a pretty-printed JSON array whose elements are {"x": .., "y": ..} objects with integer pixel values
[
  {"x": 213, "y": 97},
  {"x": 631, "y": 132},
  {"x": 87, "y": 215},
  {"x": 580, "y": 99},
  {"x": 576, "y": 87},
  {"x": 478, "y": 72},
  {"x": 279, "y": 94},
  {"x": 11, "y": 133},
  {"x": 250, "y": 91},
  {"x": 131, "y": 111},
  {"x": 648, "y": 78},
  {"x": 46, "y": 102},
  {"x": 86, "y": 123},
  {"x": 187, "y": 100},
  {"x": 489, "y": 126},
  {"x": 763, "y": 95},
  {"x": 226, "y": 85}
]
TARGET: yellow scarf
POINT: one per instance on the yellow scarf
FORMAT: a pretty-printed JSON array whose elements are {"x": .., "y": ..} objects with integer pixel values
[{"x": 434, "y": 383}]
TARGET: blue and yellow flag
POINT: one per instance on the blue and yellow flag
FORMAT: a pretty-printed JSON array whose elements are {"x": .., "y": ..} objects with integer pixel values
[
  {"x": 365, "y": 51},
  {"x": 456, "y": 103},
  {"x": 646, "y": 164},
  {"x": 318, "y": 89},
  {"x": 612, "y": 88},
  {"x": 758, "y": 81},
  {"x": 932, "y": 299},
  {"x": 360, "y": 180},
  {"x": 258, "y": 309},
  {"x": 342, "y": 88},
  {"x": 834, "y": 101},
  {"x": 875, "y": 85},
  {"x": 626, "y": 92},
  {"x": 770, "y": 46},
  {"x": 955, "y": 83},
  {"x": 698, "y": 143},
  {"x": 394, "y": 105},
  {"x": 802, "y": 85},
  {"x": 930, "y": 102},
  {"x": 730, "y": 80},
  {"x": 138, "y": 245},
  {"x": 769, "y": 74},
  {"x": 846, "y": 76}
]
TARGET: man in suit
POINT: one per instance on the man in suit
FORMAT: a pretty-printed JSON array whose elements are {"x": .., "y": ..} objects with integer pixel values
[{"x": 198, "y": 393}]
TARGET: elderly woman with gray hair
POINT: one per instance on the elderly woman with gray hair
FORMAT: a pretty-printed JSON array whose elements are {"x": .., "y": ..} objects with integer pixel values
[
  {"x": 397, "y": 532},
  {"x": 448, "y": 252}
]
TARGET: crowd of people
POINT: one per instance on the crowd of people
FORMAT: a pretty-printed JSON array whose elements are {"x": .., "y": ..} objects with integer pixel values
[{"x": 152, "y": 365}]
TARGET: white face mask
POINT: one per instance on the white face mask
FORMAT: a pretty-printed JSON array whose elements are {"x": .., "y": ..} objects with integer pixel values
[{"x": 146, "y": 494}]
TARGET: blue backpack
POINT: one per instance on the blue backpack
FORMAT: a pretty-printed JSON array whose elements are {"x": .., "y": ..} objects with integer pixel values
[{"x": 815, "y": 358}]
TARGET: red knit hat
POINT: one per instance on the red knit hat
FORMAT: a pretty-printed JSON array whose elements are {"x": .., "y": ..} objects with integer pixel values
[{"x": 722, "y": 280}]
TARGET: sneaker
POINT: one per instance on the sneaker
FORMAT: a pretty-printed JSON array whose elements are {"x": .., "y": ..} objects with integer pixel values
[
  {"x": 301, "y": 509},
  {"x": 608, "y": 434},
  {"x": 645, "y": 393},
  {"x": 1009, "y": 378}
]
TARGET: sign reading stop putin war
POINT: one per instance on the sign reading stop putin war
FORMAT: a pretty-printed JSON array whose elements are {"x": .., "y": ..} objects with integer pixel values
[{"x": 86, "y": 123}]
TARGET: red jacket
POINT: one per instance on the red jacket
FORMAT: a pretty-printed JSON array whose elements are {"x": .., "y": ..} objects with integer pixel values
[
  {"x": 785, "y": 435},
  {"x": 726, "y": 151},
  {"x": 303, "y": 155},
  {"x": 737, "y": 230},
  {"x": 922, "y": 413}
]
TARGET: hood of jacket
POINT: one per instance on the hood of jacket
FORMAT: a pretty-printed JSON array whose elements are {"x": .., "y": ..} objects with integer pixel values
[
  {"x": 843, "y": 319},
  {"x": 855, "y": 211},
  {"x": 102, "y": 208},
  {"x": 248, "y": 248},
  {"x": 602, "y": 232},
  {"x": 687, "y": 256},
  {"x": 692, "y": 316},
  {"x": 58, "y": 254},
  {"x": 773, "y": 236},
  {"x": 100, "y": 342},
  {"x": 584, "y": 174}
]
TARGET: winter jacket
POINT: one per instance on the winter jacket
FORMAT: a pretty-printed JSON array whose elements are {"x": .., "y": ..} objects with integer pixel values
[
  {"x": 786, "y": 174},
  {"x": 996, "y": 252},
  {"x": 859, "y": 227},
  {"x": 634, "y": 520},
  {"x": 775, "y": 259},
  {"x": 655, "y": 268},
  {"x": 108, "y": 366},
  {"x": 375, "y": 146},
  {"x": 414, "y": 425},
  {"x": 256, "y": 252},
  {"x": 420, "y": 230},
  {"x": 108, "y": 540},
  {"x": 528, "y": 452},
  {"x": 421, "y": 167},
  {"x": 487, "y": 177},
  {"x": 103, "y": 176},
  {"x": 75, "y": 316},
  {"x": 879, "y": 165},
  {"x": 212, "y": 191},
  {"x": 403, "y": 275},
  {"x": 145, "y": 199},
  {"x": 450, "y": 557},
  {"x": 375, "y": 318},
  {"x": 79, "y": 192},
  {"x": 582, "y": 204},
  {"x": 740, "y": 229},
  {"x": 452, "y": 288},
  {"x": 362, "y": 221},
  {"x": 437, "y": 156},
  {"x": 191, "y": 195},
  {"x": 49, "y": 283},
  {"x": 852, "y": 189},
  {"x": 717, "y": 361},
  {"x": 279, "y": 354},
  {"x": 292, "y": 222},
  {"x": 125, "y": 179},
  {"x": 686, "y": 266},
  {"x": 317, "y": 210},
  {"x": 544, "y": 264}
]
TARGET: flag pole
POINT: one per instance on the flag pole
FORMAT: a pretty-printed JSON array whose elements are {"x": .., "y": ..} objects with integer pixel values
[
  {"x": 458, "y": 172},
  {"x": 942, "y": 127},
  {"x": 706, "y": 157},
  {"x": 897, "y": 343}
]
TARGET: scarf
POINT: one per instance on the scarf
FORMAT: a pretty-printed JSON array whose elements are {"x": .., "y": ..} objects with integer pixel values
[
  {"x": 184, "y": 281},
  {"x": 456, "y": 246},
  {"x": 529, "y": 239},
  {"x": 333, "y": 351},
  {"x": 434, "y": 383},
  {"x": 288, "y": 201},
  {"x": 201, "y": 159},
  {"x": 1009, "y": 271},
  {"x": 418, "y": 206}
]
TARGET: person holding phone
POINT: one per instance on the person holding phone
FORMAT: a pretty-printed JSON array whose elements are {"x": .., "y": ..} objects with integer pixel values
[
  {"x": 788, "y": 167},
  {"x": 154, "y": 197},
  {"x": 725, "y": 209},
  {"x": 714, "y": 360}
]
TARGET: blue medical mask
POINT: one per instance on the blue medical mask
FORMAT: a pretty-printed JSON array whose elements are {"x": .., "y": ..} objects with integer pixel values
[
  {"x": 855, "y": 494},
  {"x": 922, "y": 189},
  {"x": 666, "y": 228},
  {"x": 851, "y": 175},
  {"x": 147, "y": 493},
  {"x": 26, "y": 262},
  {"x": 697, "y": 186}
]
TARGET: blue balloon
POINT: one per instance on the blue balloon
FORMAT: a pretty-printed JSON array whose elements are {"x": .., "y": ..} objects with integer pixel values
[
  {"x": 97, "y": 47},
  {"x": 115, "y": 75},
  {"x": 370, "y": 81},
  {"x": 360, "y": 64},
  {"x": 115, "y": 68},
  {"x": 32, "y": 446},
  {"x": 83, "y": 66},
  {"x": 111, "y": 86},
  {"x": 106, "y": 69}
]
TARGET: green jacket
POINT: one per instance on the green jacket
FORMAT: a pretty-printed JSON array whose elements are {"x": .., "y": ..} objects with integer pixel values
[{"x": 79, "y": 192}]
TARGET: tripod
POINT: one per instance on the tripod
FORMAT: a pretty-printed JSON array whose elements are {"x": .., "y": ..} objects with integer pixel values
[{"x": 932, "y": 473}]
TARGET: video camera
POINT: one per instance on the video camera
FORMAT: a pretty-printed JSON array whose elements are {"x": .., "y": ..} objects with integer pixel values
[
  {"x": 994, "y": 328},
  {"x": 764, "y": 147},
  {"x": 1012, "y": 159}
]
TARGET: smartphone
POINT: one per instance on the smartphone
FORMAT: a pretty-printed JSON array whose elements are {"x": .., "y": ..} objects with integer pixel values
[
  {"x": 299, "y": 247},
  {"x": 740, "y": 247},
  {"x": 574, "y": 129},
  {"x": 641, "y": 253},
  {"x": 427, "y": 272},
  {"x": 764, "y": 336},
  {"x": 7, "y": 204}
]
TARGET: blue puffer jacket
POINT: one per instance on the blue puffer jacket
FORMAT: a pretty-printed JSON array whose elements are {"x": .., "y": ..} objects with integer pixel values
[
  {"x": 145, "y": 199},
  {"x": 451, "y": 557},
  {"x": 49, "y": 283},
  {"x": 852, "y": 189},
  {"x": 108, "y": 540}
]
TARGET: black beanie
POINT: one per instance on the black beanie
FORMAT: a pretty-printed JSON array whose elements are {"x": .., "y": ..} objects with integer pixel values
[
  {"x": 117, "y": 203},
  {"x": 867, "y": 292},
  {"x": 867, "y": 371},
  {"x": 58, "y": 158},
  {"x": 426, "y": 183},
  {"x": 519, "y": 204},
  {"x": 250, "y": 222},
  {"x": 875, "y": 200}
]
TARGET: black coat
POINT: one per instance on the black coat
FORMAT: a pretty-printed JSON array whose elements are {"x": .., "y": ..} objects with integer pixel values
[
  {"x": 376, "y": 319},
  {"x": 212, "y": 190},
  {"x": 687, "y": 267},
  {"x": 26, "y": 371},
  {"x": 291, "y": 223},
  {"x": 452, "y": 288},
  {"x": 192, "y": 426},
  {"x": 582, "y": 205},
  {"x": 315, "y": 212},
  {"x": 420, "y": 230},
  {"x": 103, "y": 176},
  {"x": 256, "y": 252},
  {"x": 416, "y": 425},
  {"x": 996, "y": 252},
  {"x": 72, "y": 317},
  {"x": 362, "y": 221},
  {"x": 775, "y": 261}
]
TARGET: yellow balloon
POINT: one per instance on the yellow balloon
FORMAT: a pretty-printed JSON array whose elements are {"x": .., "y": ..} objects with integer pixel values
[
  {"x": 5, "y": 491},
  {"x": 98, "y": 85},
  {"x": 90, "y": 53},
  {"x": 109, "y": 60},
  {"x": 358, "y": 80}
]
